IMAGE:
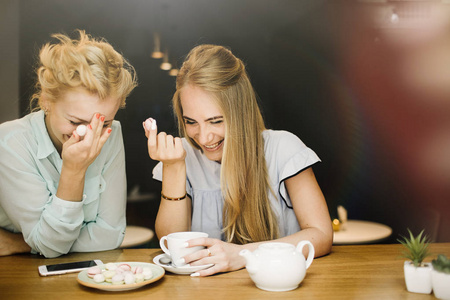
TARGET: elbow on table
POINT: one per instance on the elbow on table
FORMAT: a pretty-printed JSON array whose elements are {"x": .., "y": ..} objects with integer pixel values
[
  {"x": 47, "y": 248},
  {"x": 323, "y": 247},
  {"x": 327, "y": 247},
  {"x": 48, "y": 253},
  {"x": 322, "y": 250}
]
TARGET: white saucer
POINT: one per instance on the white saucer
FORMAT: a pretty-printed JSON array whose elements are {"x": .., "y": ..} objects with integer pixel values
[{"x": 182, "y": 270}]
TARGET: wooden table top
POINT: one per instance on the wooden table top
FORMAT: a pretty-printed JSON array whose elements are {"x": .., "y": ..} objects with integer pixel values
[{"x": 349, "y": 272}]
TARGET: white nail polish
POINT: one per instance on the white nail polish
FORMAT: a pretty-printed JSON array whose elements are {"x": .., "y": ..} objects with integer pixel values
[
  {"x": 195, "y": 274},
  {"x": 180, "y": 262},
  {"x": 185, "y": 245},
  {"x": 154, "y": 124},
  {"x": 81, "y": 130}
]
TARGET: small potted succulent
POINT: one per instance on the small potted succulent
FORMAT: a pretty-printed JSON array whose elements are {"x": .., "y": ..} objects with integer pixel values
[
  {"x": 417, "y": 273},
  {"x": 440, "y": 277}
]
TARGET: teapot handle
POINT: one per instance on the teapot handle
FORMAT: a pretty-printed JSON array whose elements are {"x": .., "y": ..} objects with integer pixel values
[{"x": 310, "y": 257}]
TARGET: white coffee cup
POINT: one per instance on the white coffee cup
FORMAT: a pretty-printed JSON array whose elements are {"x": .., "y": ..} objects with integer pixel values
[{"x": 176, "y": 245}]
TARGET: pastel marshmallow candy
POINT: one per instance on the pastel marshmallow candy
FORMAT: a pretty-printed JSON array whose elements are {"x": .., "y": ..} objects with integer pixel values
[
  {"x": 125, "y": 267},
  {"x": 137, "y": 269},
  {"x": 109, "y": 275},
  {"x": 150, "y": 124},
  {"x": 139, "y": 277},
  {"x": 111, "y": 266},
  {"x": 81, "y": 130},
  {"x": 129, "y": 278},
  {"x": 117, "y": 279},
  {"x": 99, "y": 278},
  {"x": 147, "y": 272},
  {"x": 91, "y": 272}
]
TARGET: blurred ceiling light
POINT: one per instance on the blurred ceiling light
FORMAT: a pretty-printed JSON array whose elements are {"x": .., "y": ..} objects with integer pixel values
[
  {"x": 173, "y": 72},
  {"x": 407, "y": 22},
  {"x": 157, "y": 47},
  {"x": 166, "y": 66}
]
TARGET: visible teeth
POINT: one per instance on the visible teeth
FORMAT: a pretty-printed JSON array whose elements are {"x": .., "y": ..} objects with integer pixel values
[{"x": 213, "y": 146}]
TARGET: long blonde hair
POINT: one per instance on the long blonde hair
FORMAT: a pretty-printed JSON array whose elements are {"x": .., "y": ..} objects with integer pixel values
[
  {"x": 87, "y": 62},
  {"x": 247, "y": 216}
]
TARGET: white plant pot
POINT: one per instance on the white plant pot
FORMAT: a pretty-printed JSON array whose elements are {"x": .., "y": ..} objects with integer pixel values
[
  {"x": 441, "y": 284},
  {"x": 418, "y": 279}
]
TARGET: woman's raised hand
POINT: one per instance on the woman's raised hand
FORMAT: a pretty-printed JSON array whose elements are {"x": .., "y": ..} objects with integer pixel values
[
  {"x": 79, "y": 154},
  {"x": 161, "y": 146}
]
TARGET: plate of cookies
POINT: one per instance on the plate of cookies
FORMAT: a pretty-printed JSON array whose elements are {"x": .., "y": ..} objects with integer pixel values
[{"x": 121, "y": 276}]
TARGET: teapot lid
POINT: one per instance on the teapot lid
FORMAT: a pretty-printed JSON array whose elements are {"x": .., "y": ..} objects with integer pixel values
[{"x": 276, "y": 246}]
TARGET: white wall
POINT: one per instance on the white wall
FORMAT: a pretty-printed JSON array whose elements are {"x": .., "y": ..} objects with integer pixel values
[{"x": 9, "y": 60}]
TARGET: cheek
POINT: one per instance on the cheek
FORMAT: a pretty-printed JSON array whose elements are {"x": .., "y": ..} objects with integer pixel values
[
  {"x": 220, "y": 132},
  {"x": 190, "y": 131},
  {"x": 69, "y": 129},
  {"x": 63, "y": 127}
]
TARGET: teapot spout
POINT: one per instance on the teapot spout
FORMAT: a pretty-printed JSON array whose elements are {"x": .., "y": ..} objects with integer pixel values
[{"x": 251, "y": 261}]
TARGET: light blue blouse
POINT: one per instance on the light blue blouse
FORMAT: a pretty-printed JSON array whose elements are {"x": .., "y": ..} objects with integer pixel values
[
  {"x": 286, "y": 156},
  {"x": 30, "y": 168}
]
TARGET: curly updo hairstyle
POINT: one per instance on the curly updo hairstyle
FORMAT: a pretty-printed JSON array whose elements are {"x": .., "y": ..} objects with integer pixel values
[{"x": 86, "y": 62}]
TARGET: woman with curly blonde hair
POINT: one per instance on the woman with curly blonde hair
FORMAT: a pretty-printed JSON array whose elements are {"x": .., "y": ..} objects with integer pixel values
[
  {"x": 228, "y": 175},
  {"x": 64, "y": 190}
]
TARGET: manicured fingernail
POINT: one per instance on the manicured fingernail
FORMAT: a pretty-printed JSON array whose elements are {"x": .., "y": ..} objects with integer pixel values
[
  {"x": 154, "y": 125},
  {"x": 109, "y": 130},
  {"x": 195, "y": 274},
  {"x": 185, "y": 245},
  {"x": 102, "y": 118},
  {"x": 180, "y": 261},
  {"x": 89, "y": 126},
  {"x": 97, "y": 116}
]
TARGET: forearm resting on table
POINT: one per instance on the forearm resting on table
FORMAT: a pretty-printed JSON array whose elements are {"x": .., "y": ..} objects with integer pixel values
[{"x": 12, "y": 243}]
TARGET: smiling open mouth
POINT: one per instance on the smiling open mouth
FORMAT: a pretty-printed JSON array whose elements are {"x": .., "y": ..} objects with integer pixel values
[{"x": 214, "y": 146}]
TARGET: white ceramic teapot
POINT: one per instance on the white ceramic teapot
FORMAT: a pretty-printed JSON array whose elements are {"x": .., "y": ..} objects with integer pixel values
[{"x": 278, "y": 266}]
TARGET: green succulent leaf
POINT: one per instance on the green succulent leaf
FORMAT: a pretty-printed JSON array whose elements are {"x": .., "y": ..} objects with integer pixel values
[
  {"x": 416, "y": 248},
  {"x": 441, "y": 264}
]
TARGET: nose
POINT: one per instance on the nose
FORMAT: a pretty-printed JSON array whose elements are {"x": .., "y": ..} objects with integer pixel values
[{"x": 204, "y": 135}]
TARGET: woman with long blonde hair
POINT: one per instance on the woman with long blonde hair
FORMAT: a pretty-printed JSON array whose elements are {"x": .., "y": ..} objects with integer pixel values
[{"x": 228, "y": 175}]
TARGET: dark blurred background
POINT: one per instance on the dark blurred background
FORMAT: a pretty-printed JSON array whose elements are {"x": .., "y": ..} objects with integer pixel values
[{"x": 365, "y": 84}]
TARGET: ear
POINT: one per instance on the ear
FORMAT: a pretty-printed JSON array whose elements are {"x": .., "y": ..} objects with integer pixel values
[{"x": 44, "y": 103}]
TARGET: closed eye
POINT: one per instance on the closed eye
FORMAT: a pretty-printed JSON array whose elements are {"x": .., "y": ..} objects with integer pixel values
[
  {"x": 217, "y": 121},
  {"x": 189, "y": 121}
]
